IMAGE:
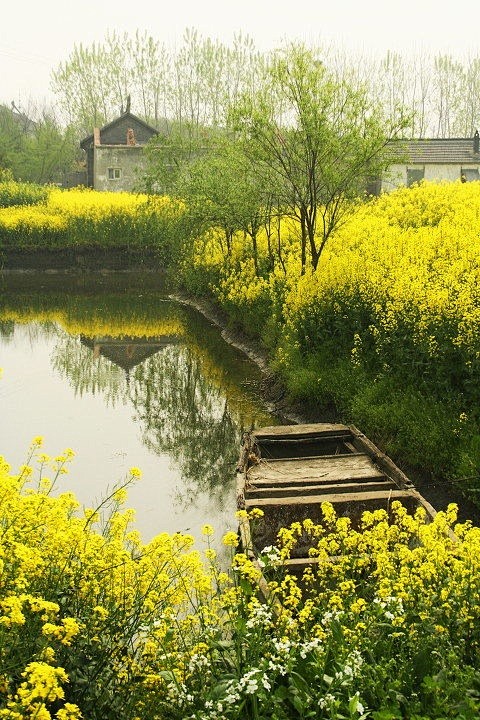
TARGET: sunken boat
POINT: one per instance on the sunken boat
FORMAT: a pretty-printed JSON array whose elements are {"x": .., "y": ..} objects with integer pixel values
[{"x": 288, "y": 471}]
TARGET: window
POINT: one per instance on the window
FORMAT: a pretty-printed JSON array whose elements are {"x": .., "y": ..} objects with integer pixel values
[
  {"x": 114, "y": 173},
  {"x": 415, "y": 175},
  {"x": 468, "y": 175}
]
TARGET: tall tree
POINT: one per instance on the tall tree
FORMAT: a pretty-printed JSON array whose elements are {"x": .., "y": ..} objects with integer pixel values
[
  {"x": 318, "y": 138},
  {"x": 221, "y": 188},
  {"x": 448, "y": 82},
  {"x": 84, "y": 88},
  {"x": 192, "y": 86},
  {"x": 37, "y": 150}
]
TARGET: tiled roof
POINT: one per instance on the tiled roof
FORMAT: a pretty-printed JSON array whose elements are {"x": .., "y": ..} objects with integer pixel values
[
  {"x": 440, "y": 150},
  {"x": 86, "y": 142}
]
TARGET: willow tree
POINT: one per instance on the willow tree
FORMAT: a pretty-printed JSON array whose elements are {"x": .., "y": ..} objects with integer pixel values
[
  {"x": 318, "y": 139},
  {"x": 191, "y": 85}
]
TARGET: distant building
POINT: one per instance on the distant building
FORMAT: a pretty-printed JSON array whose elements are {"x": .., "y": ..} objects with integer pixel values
[
  {"x": 115, "y": 156},
  {"x": 433, "y": 159},
  {"x": 127, "y": 352}
]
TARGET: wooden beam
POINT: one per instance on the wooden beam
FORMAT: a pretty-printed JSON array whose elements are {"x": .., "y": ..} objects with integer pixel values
[
  {"x": 333, "y": 468},
  {"x": 321, "y": 483},
  {"x": 276, "y": 432},
  {"x": 334, "y": 498},
  {"x": 306, "y": 490},
  {"x": 363, "y": 444},
  {"x": 302, "y": 441}
]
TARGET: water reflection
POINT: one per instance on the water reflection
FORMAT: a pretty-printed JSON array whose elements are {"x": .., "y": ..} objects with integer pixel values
[
  {"x": 137, "y": 366},
  {"x": 187, "y": 416}
]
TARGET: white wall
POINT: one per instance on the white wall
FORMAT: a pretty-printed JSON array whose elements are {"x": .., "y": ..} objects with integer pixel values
[
  {"x": 128, "y": 158},
  {"x": 397, "y": 174}
]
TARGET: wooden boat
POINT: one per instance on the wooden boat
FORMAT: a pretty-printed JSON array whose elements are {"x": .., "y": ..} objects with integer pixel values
[{"x": 289, "y": 470}]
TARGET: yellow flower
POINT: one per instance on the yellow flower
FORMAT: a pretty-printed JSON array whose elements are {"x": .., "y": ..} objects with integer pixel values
[
  {"x": 120, "y": 495},
  {"x": 101, "y": 612},
  {"x": 231, "y": 539},
  {"x": 207, "y": 530},
  {"x": 69, "y": 712}
]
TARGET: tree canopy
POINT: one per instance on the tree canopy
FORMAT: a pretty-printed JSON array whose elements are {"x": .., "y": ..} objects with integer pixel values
[{"x": 39, "y": 150}]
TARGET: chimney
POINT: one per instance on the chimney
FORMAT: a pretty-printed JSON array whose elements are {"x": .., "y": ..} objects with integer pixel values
[
  {"x": 476, "y": 143},
  {"x": 96, "y": 136}
]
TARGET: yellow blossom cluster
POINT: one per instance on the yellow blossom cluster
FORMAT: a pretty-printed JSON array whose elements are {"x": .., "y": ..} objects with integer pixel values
[
  {"x": 81, "y": 590},
  {"x": 31, "y": 219},
  {"x": 403, "y": 568},
  {"x": 84, "y": 217},
  {"x": 402, "y": 275},
  {"x": 91, "y": 619}
]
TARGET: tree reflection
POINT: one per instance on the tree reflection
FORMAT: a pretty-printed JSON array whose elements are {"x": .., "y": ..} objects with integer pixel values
[
  {"x": 183, "y": 382},
  {"x": 74, "y": 361},
  {"x": 187, "y": 416},
  {"x": 7, "y": 329},
  {"x": 185, "y": 402},
  {"x": 181, "y": 411}
]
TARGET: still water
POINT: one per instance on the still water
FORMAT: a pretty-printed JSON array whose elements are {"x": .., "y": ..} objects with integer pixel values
[{"x": 108, "y": 366}]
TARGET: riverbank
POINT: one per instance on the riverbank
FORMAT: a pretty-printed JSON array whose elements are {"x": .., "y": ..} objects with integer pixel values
[
  {"x": 275, "y": 396},
  {"x": 273, "y": 391}
]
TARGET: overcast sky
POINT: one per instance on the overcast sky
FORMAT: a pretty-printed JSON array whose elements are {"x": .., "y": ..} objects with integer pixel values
[{"x": 36, "y": 35}]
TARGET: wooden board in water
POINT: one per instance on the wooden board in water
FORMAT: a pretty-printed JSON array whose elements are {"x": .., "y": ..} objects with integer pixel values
[
  {"x": 289, "y": 471},
  {"x": 324, "y": 469}
]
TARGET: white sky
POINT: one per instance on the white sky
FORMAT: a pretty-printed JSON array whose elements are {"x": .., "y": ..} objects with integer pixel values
[{"x": 36, "y": 35}]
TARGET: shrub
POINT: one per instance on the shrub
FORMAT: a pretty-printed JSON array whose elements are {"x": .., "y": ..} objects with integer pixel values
[
  {"x": 94, "y": 623},
  {"x": 18, "y": 193}
]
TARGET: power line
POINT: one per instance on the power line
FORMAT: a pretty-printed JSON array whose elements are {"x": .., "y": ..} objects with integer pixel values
[{"x": 26, "y": 57}]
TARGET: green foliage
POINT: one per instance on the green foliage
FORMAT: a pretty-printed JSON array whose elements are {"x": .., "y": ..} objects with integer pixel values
[
  {"x": 39, "y": 151},
  {"x": 83, "y": 219},
  {"x": 316, "y": 139},
  {"x": 15, "y": 193}
]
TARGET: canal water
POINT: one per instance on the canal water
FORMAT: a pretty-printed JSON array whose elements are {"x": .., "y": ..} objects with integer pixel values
[{"x": 107, "y": 365}]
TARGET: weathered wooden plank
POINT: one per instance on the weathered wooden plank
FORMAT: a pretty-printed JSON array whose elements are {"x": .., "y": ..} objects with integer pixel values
[
  {"x": 354, "y": 497},
  {"x": 302, "y": 442},
  {"x": 303, "y": 458},
  {"x": 367, "y": 481},
  {"x": 334, "y": 467},
  {"x": 363, "y": 444},
  {"x": 306, "y": 490},
  {"x": 300, "y": 431},
  {"x": 302, "y": 562}
]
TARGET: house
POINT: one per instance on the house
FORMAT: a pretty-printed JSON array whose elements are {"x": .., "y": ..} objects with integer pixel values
[
  {"x": 127, "y": 352},
  {"x": 115, "y": 156},
  {"x": 434, "y": 159}
]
